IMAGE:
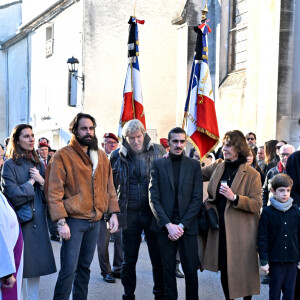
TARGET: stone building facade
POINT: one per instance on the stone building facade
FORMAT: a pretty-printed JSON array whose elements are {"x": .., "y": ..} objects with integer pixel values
[{"x": 252, "y": 58}]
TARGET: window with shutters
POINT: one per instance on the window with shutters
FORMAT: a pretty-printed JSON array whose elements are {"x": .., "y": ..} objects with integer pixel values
[
  {"x": 49, "y": 40},
  {"x": 238, "y": 32}
]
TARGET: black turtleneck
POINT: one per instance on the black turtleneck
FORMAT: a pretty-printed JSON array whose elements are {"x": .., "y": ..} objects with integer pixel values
[
  {"x": 176, "y": 161},
  {"x": 231, "y": 168}
]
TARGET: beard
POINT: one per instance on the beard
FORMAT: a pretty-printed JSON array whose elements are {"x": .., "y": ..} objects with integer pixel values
[{"x": 92, "y": 143}]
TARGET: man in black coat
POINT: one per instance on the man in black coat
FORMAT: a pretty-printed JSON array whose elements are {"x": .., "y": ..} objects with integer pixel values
[
  {"x": 293, "y": 170},
  {"x": 175, "y": 198}
]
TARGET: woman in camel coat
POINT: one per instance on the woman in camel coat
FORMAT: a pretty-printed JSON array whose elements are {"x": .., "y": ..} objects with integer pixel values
[{"x": 232, "y": 248}]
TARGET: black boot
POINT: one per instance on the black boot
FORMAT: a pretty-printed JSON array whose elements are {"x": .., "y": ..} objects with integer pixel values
[{"x": 178, "y": 272}]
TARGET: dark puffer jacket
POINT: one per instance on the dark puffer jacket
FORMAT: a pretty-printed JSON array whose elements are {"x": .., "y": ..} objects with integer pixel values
[{"x": 122, "y": 163}]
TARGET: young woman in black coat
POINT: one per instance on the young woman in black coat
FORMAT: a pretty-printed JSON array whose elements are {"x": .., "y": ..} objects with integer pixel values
[{"x": 23, "y": 183}]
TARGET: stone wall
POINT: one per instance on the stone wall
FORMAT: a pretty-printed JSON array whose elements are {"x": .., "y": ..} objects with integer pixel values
[{"x": 105, "y": 61}]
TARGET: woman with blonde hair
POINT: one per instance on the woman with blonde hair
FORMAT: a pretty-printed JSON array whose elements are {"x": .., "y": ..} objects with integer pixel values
[{"x": 22, "y": 183}]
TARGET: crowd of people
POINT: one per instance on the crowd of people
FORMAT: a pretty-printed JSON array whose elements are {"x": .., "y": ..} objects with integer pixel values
[{"x": 84, "y": 196}]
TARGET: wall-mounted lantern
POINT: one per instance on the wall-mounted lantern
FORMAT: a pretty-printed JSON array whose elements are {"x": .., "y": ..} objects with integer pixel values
[{"x": 73, "y": 68}]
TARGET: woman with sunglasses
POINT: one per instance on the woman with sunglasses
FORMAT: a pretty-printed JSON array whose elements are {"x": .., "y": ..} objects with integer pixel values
[
  {"x": 234, "y": 191},
  {"x": 23, "y": 182}
]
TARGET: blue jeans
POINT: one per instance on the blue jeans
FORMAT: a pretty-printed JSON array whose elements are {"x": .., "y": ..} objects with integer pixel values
[{"x": 76, "y": 256}]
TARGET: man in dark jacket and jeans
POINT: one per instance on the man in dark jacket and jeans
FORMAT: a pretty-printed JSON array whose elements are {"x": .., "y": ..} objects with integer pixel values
[{"x": 131, "y": 166}]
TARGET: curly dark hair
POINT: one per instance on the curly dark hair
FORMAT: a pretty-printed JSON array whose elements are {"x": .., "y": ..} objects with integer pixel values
[{"x": 237, "y": 139}]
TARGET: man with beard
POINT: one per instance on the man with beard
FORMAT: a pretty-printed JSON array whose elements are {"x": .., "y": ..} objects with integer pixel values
[
  {"x": 79, "y": 190},
  {"x": 131, "y": 170}
]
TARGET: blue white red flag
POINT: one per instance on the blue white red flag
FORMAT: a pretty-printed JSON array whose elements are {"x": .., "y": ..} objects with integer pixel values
[
  {"x": 200, "y": 120},
  {"x": 132, "y": 106}
]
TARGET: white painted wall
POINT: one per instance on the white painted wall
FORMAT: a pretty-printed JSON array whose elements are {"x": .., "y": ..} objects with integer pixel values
[
  {"x": 43, "y": 81},
  {"x": 49, "y": 76},
  {"x": 18, "y": 84}
]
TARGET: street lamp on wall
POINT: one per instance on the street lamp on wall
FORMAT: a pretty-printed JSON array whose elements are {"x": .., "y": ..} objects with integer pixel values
[{"x": 73, "y": 68}]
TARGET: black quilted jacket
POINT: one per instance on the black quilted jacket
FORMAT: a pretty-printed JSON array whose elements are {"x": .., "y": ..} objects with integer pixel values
[{"x": 119, "y": 161}]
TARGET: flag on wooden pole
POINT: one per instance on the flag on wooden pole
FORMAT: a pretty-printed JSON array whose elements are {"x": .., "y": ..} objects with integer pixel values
[{"x": 200, "y": 120}]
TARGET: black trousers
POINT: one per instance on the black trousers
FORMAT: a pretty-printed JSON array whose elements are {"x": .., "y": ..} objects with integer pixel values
[
  {"x": 131, "y": 241},
  {"x": 188, "y": 251},
  {"x": 282, "y": 279},
  {"x": 297, "y": 288},
  {"x": 103, "y": 253}
]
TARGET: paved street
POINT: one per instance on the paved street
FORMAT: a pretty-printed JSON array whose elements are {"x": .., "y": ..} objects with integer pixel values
[{"x": 209, "y": 282}]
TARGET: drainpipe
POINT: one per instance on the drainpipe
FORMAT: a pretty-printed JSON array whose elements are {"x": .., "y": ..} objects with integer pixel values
[
  {"x": 28, "y": 82},
  {"x": 7, "y": 95}
]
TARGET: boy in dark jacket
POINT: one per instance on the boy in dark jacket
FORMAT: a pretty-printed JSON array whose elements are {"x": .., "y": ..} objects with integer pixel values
[{"x": 279, "y": 239}]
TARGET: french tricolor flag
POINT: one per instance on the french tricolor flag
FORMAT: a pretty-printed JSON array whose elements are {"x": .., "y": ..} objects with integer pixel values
[
  {"x": 132, "y": 105},
  {"x": 200, "y": 120}
]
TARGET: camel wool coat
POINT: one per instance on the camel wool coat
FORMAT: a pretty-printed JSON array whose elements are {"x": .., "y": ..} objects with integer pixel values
[{"x": 241, "y": 225}]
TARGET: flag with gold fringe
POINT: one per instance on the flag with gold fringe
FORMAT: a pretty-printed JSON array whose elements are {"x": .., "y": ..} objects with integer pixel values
[
  {"x": 132, "y": 105},
  {"x": 200, "y": 120}
]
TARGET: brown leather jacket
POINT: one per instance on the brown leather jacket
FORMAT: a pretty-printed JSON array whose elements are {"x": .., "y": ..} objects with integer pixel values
[{"x": 80, "y": 186}]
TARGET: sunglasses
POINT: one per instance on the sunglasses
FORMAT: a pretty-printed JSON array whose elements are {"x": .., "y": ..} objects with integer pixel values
[
  {"x": 278, "y": 147},
  {"x": 250, "y": 138}
]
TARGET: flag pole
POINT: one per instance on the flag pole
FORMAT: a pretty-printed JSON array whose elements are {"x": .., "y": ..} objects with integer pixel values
[
  {"x": 132, "y": 87},
  {"x": 200, "y": 118}
]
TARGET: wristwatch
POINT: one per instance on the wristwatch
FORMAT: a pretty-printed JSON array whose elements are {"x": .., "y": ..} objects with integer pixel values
[
  {"x": 234, "y": 197},
  {"x": 62, "y": 223}
]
